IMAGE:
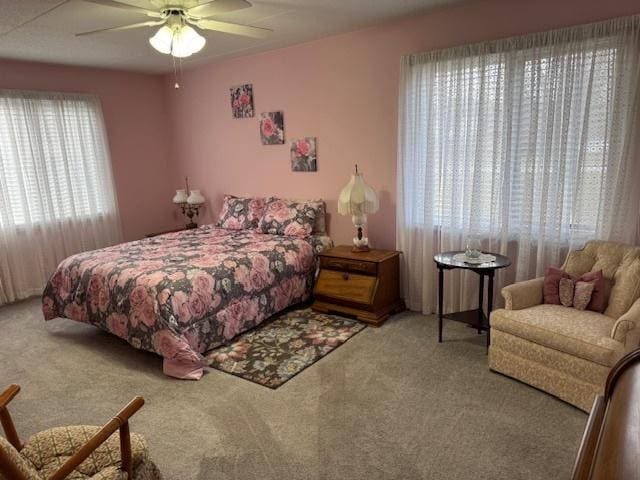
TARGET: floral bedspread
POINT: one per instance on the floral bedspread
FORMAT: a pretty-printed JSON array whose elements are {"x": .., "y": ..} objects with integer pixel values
[{"x": 184, "y": 293}]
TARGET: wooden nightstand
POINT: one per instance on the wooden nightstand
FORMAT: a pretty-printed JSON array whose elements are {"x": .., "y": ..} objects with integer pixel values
[
  {"x": 156, "y": 234},
  {"x": 365, "y": 285}
]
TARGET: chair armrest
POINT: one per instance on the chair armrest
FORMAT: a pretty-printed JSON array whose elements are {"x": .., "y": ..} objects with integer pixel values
[
  {"x": 5, "y": 418},
  {"x": 523, "y": 294},
  {"x": 627, "y": 328},
  {"x": 120, "y": 421},
  {"x": 8, "y": 395}
]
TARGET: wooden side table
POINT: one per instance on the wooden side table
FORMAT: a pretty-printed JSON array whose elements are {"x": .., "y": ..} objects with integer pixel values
[
  {"x": 156, "y": 234},
  {"x": 364, "y": 285},
  {"x": 476, "y": 317}
]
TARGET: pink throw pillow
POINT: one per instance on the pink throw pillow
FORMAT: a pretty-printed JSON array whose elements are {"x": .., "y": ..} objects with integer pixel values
[
  {"x": 598, "y": 301},
  {"x": 551, "y": 288}
]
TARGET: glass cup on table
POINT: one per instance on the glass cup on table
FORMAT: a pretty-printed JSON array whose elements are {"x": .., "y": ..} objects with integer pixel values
[{"x": 472, "y": 250}]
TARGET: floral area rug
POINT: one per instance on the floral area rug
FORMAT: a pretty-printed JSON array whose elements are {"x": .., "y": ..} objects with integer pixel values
[{"x": 275, "y": 352}]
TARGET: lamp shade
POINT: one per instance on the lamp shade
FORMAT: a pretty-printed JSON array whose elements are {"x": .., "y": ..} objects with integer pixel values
[
  {"x": 180, "y": 196},
  {"x": 179, "y": 40},
  {"x": 195, "y": 198},
  {"x": 186, "y": 42},
  {"x": 357, "y": 197},
  {"x": 162, "y": 40}
]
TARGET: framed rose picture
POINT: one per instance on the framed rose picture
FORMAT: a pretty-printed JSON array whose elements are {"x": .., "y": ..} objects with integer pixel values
[
  {"x": 272, "y": 128},
  {"x": 242, "y": 101},
  {"x": 304, "y": 155}
]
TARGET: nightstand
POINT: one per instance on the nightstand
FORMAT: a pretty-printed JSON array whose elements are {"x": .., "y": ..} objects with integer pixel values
[
  {"x": 155, "y": 234},
  {"x": 364, "y": 285}
]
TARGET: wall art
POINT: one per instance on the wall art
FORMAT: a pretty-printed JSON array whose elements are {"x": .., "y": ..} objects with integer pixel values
[
  {"x": 242, "y": 101},
  {"x": 272, "y": 128},
  {"x": 304, "y": 156}
]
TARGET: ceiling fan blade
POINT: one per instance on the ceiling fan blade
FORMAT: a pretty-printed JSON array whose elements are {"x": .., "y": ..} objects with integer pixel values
[
  {"x": 216, "y": 7},
  {"x": 233, "y": 28},
  {"x": 125, "y": 6},
  {"x": 151, "y": 23}
]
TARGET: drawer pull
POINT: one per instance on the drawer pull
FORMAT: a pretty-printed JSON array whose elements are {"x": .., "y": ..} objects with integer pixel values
[{"x": 345, "y": 276}]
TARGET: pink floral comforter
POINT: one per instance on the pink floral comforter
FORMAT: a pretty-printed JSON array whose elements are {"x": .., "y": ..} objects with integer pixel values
[{"x": 184, "y": 293}]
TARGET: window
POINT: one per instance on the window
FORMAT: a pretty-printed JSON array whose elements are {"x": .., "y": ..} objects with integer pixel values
[
  {"x": 56, "y": 188},
  {"x": 529, "y": 142},
  {"x": 472, "y": 124},
  {"x": 54, "y": 160}
]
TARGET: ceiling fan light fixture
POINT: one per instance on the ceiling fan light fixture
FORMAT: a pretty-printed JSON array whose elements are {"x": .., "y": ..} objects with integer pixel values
[
  {"x": 186, "y": 42},
  {"x": 162, "y": 40},
  {"x": 179, "y": 41}
]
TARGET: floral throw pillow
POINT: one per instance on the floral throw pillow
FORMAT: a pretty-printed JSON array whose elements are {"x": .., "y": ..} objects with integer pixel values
[
  {"x": 566, "y": 290},
  {"x": 240, "y": 213},
  {"x": 583, "y": 294},
  {"x": 283, "y": 217},
  {"x": 557, "y": 282},
  {"x": 575, "y": 294}
]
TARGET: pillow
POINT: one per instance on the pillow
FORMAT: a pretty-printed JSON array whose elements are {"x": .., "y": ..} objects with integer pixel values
[
  {"x": 576, "y": 294},
  {"x": 239, "y": 213},
  {"x": 285, "y": 217},
  {"x": 552, "y": 294},
  {"x": 566, "y": 289},
  {"x": 583, "y": 294},
  {"x": 320, "y": 226},
  {"x": 598, "y": 301},
  {"x": 551, "y": 286}
]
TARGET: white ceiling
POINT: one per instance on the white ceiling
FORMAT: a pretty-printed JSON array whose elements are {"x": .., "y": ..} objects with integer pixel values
[{"x": 43, "y": 30}]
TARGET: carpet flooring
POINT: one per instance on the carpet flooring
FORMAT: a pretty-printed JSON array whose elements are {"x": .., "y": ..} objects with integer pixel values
[{"x": 391, "y": 403}]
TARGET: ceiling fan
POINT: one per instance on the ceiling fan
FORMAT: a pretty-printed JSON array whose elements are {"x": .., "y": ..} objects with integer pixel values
[{"x": 176, "y": 36}]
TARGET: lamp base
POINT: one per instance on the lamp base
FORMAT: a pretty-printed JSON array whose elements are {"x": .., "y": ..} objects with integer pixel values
[{"x": 360, "y": 243}]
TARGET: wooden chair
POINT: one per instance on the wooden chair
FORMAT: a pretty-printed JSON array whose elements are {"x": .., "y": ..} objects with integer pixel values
[{"x": 25, "y": 462}]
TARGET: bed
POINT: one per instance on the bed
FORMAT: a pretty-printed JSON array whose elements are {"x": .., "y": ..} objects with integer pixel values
[{"x": 184, "y": 293}]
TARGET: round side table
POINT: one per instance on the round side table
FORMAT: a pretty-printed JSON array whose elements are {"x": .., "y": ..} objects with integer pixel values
[{"x": 476, "y": 317}]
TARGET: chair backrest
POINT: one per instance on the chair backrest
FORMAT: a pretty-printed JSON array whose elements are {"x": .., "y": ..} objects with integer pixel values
[
  {"x": 620, "y": 265},
  {"x": 11, "y": 459}
]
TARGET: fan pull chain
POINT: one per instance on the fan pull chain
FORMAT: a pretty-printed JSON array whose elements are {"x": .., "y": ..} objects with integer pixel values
[{"x": 175, "y": 74}]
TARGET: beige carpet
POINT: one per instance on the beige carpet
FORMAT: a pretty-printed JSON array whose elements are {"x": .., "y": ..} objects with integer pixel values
[{"x": 389, "y": 404}]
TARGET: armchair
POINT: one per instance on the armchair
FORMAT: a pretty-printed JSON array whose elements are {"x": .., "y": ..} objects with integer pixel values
[
  {"x": 564, "y": 351},
  {"x": 110, "y": 452}
]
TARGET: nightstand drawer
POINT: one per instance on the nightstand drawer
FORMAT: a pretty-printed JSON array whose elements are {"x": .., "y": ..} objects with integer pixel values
[
  {"x": 345, "y": 264},
  {"x": 347, "y": 286}
]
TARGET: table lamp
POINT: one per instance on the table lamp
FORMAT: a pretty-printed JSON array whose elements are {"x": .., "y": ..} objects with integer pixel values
[
  {"x": 190, "y": 202},
  {"x": 358, "y": 199}
]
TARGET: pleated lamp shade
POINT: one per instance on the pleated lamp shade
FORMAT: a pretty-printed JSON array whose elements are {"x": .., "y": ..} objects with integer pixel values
[{"x": 357, "y": 197}]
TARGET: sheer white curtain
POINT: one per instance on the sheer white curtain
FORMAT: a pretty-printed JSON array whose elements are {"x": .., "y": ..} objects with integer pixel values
[
  {"x": 56, "y": 188},
  {"x": 527, "y": 142}
]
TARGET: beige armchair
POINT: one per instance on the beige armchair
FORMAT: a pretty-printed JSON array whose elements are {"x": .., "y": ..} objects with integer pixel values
[{"x": 564, "y": 351}]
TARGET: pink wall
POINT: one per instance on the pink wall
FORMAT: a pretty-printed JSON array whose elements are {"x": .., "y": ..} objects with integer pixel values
[
  {"x": 135, "y": 114},
  {"x": 343, "y": 90}
]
